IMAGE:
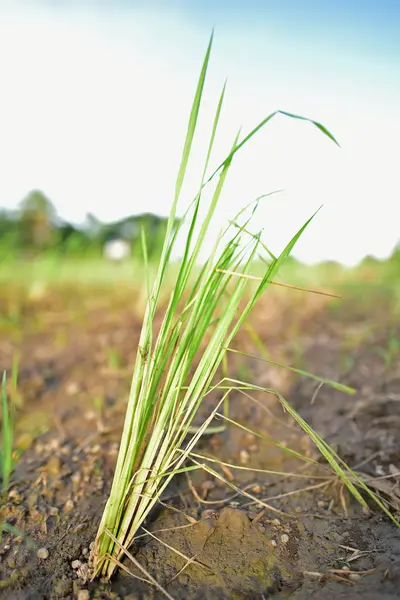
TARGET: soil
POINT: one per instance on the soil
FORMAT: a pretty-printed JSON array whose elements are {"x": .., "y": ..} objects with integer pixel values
[{"x": 297, "y": 534}]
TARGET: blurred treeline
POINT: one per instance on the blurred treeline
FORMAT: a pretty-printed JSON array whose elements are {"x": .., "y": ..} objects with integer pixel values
[{"x": 35, "y": 229}]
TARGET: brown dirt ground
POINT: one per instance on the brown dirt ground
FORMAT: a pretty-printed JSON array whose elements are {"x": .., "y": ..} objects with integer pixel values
[{"x": 76, "y": 350}]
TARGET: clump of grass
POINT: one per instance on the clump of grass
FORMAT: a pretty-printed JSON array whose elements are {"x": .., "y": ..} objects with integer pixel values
[{"x": 174, "y": 371}]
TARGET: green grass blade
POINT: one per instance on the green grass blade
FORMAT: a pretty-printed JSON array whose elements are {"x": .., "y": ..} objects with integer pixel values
[
  {"x": 334, "y": 384},
  {"x": 7, "y": 436},
  {"x": 261, "y": 125}
]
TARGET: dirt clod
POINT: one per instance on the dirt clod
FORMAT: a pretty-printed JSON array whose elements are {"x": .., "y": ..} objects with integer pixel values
[
  {"x": 42, "y": 553},
  {"x": 63, "y": 588}
]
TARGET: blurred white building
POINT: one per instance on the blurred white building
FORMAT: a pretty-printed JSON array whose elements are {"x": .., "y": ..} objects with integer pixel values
[{"x": 116, "y": 250}]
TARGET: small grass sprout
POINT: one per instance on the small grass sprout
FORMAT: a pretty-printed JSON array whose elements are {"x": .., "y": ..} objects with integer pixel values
[
  {"x": 391, "y": 352},
  {"x": 7, "y": 437}
]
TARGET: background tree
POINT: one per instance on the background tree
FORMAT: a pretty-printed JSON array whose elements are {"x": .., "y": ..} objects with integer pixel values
[{"x": 37, "y": 218}]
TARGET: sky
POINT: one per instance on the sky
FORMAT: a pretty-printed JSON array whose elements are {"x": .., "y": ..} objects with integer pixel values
[{"x": 95, "y": 98}]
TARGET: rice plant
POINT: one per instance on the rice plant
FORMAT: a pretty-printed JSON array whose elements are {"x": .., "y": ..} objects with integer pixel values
[
  {"x": 7, "y": 438},
  {"x": 174, "y": 370}
]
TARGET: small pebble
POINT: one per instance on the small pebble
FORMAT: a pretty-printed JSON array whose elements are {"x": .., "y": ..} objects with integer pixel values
[
  {"x": 83, "y": 595},
  {"x": 321, "y": 504},
  {"x": 284, "y": 538},
  {"x": 76, "y": 477},
  {"x": 54, "y": 444},
  {"x": 273, "y": 542},
  {"x": 91, "y": 545},
  {"x": 68, "y": 506},
  {"x": 53, "y": 465},
  {"x": 72, "y": 388},
  {"x": 354, "y": 576},
  {"x": 244, "y": 457},
  {"x": 76, "y": 564},
  {"x": 53, "y": 511},
  {"x": 85, "y": 551},
  {"x": 42, "y": 553}
]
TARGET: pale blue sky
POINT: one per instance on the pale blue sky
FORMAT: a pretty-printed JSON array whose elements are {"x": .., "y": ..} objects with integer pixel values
[{"x": 95, "y": 97}]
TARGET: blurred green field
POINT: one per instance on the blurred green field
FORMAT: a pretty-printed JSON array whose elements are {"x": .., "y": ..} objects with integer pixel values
[{"x": 370, "y": 280}]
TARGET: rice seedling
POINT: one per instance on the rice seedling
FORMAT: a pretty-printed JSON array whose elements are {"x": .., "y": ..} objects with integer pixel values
[
  {"x": 175, "y": 370},
  {"x": 16, "y": 397},
  {"x": 7, "y": 438},
  {"x": 391, "y": 352},
  {"x": 98, "y": 404},
  {"x": 113, "y": 359}
]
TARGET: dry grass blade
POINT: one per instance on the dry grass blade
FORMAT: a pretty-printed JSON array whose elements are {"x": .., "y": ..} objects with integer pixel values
[
  {"x": 253, "y": 470},
  {"x": 138, "y": 566},
  {"x": 178, "y": 552},
  {"x": 285, "y": 285},
  {"x": 338, "y": 386},
  {"x": 240, "y": 491}
]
